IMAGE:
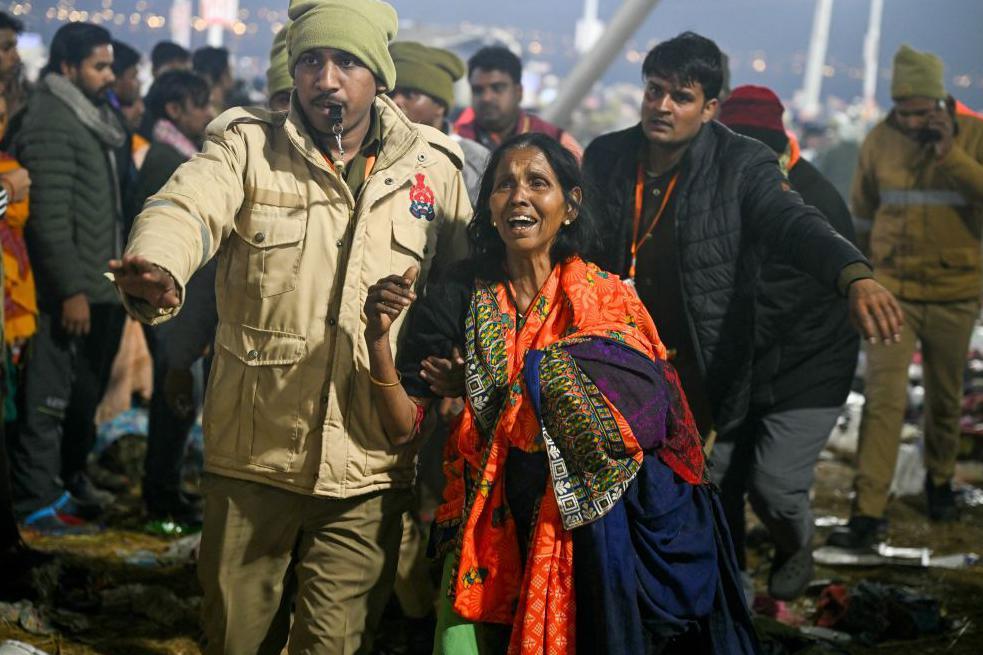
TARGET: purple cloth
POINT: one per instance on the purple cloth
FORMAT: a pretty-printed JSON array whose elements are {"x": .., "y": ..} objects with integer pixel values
[
  {"x": 632, "y": 383},
  {"x": 657, "y": 570}
]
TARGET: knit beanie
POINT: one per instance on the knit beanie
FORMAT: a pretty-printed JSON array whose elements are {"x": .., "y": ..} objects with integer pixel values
[
  {"x": 430, "y": 70},
  {"x": 278, "y": 76},
  {"x": 917, "y": 74},
  {"x": 755, "y": 111},
  {"x": 362, "y": 28}
]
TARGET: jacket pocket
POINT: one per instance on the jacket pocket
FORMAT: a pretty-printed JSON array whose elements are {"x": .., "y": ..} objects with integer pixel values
[
  {"x": 273, "y": 239},
  {"x": 257, "y": 394},
  {"x": 411, "y": 246}
]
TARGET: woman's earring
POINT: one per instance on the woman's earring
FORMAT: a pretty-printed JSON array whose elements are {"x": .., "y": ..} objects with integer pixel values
[
  {"x": 494, "y": 224},
  {"x": 567, "y": 222}
]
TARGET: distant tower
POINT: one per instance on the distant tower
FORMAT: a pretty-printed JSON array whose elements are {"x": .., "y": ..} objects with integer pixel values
[{"x": 589, "y": 28}]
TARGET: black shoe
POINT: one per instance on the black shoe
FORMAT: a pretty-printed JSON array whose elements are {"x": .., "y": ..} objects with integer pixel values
[
  {"x": 91, "y": 501},
  {"x": 180, "y": 508},
  {"x": 860, "y": 533},
  {"x": 790, "y": 574},
  {"x": 941, "y": 501}
]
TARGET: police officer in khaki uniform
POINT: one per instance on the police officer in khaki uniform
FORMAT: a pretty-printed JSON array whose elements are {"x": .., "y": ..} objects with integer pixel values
[
  {"x": 920, "y": 184},
  {"x": 304, "y": 211}
]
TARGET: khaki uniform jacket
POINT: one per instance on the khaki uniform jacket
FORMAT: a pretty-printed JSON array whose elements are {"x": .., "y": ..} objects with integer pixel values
[
  {"x": 927, "y": 214},
  {"x": 289, "y": 400}
]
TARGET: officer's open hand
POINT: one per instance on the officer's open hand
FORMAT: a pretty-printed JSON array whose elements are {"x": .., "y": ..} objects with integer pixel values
[
  {"x": 137, "y": 277},
  {"x": 387, "y": 299},
  {"x": 875, "y": 312}
]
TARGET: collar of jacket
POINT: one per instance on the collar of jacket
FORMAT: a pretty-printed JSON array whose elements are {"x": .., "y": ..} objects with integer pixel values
[
  {"x": 697, "y": 158},
  {"x": 100, "y": 120},
  {"x": 398, "y": 135}
]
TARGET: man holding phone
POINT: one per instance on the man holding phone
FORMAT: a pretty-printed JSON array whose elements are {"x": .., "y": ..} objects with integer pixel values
[{"x": 920, "y": 186}]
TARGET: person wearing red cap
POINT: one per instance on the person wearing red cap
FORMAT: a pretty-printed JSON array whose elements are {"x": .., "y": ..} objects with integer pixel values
[{"x": 805, "y": 352}]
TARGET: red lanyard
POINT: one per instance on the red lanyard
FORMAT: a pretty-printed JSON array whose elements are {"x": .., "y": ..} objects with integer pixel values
[{"x": 636, "y": 241}]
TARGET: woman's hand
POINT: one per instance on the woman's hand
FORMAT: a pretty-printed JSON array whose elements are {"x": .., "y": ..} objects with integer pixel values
[
  {"x": 386, "y": 301},
  {"x": 445, "y": 376}
]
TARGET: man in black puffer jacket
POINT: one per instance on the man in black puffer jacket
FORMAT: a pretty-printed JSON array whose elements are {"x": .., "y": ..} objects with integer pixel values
[
  {"x": 68, "y": 142},
  {"x": 693, "y": 210},
  {"x": 804, "y": 359},
  {"x": 726, "y": 204}
]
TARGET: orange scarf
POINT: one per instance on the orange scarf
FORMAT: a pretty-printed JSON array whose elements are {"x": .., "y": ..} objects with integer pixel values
[
  {"x": 489, "y": 585},
  {"x": 20, "y": 298}
]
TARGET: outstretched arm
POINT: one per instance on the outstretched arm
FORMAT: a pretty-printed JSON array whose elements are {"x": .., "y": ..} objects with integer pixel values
[{"x": 778, "y": 218}]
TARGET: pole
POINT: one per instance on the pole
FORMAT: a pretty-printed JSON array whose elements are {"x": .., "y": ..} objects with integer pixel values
[
  {"x": 592, "y": 65},
  {"x": 813, "y": 82},
  {"x": 872, "y": 42}
]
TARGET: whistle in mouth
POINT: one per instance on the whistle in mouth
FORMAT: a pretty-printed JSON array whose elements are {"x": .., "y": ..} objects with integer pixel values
[{"x": 334, "y": 115}]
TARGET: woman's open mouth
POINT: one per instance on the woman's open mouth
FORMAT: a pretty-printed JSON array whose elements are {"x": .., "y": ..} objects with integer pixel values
[{"x": 521, "y": 223}]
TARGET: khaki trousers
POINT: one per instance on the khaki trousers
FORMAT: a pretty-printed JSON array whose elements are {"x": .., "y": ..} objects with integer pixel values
[
  {"x": 944, "y": 331},
  {"x": 266, "y": 551},
  {"x": 413, "y": 586}
]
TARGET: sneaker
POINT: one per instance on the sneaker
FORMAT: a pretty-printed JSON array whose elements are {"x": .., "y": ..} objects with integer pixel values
[
  {"x": 860, "y": 533},
  {"x": 91, "y": 501},
  {"x": 941, "y": 501},
  {"x": 59, "y": 518},
  {"x": 790, "y": 574}
]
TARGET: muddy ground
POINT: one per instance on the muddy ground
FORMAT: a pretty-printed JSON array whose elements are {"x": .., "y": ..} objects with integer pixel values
[{"x": 112, "y": 598}]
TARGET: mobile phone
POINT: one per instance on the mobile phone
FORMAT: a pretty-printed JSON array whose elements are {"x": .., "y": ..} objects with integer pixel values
[{"x": 928, "y": 135}]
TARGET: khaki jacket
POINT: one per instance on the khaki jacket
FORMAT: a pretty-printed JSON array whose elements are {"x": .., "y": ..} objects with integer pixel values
[
  {"x": 927, "y": 214},
  {"x": 289, "y": 399}
]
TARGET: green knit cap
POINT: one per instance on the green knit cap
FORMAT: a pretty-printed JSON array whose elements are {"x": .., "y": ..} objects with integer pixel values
[
  {"x": 363, "y": 28},
  {"x": 430, "y": 70},
  {"x": 278, "y": 76},
  {"x": 917, "y": 74}
]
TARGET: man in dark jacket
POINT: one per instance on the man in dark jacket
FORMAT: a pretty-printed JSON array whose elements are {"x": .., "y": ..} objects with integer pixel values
[
  {"x": 68, "y": 143},
  {"x": 180, "y": 110},
  {"x": 725, "y": 203},
  {"x": 805, "y": 353}
]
